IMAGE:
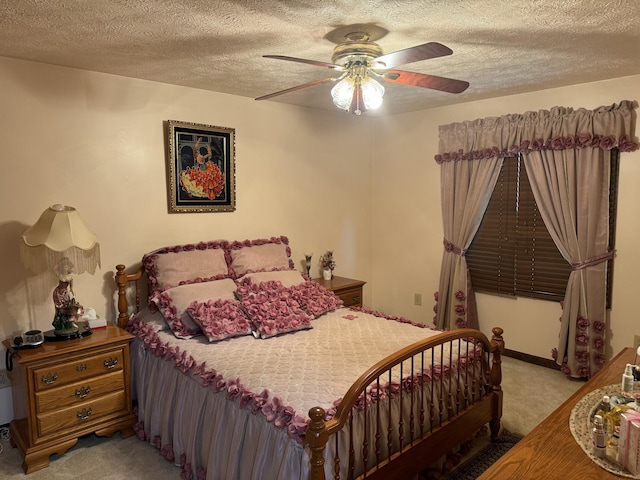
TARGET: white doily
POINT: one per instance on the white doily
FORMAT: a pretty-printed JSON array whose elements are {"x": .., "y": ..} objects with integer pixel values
[{"x": 580, "y": 425}]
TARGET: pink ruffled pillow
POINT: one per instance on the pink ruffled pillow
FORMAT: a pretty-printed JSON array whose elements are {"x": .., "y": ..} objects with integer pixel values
[
  {"x": 220, "y": 319},
  {"x": 169, "y": 267},
  {"x": 271, "y": 308},
  {"x": 173, "y": 303},
  {"x": 314, "y": 299}
]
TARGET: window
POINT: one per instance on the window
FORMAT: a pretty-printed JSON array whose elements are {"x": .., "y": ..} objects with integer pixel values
[{"x": 512, "y": 253}]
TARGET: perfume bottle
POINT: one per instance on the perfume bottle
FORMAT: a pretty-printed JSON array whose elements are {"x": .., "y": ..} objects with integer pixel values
[
  {"x": 627, "y": 379},
  {"x": 603, "y": 410},
  {"x": 599, "y": 437}
]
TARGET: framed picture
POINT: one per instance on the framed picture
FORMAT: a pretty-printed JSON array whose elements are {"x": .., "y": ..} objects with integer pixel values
[{"x": 201, "y": 168}]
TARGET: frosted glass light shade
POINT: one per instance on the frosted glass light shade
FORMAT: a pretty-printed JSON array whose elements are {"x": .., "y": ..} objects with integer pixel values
[
  {"x": 342, "y": 93},
  {"x": 60, "y": 233},
  {"x": 372, "y": 93}
]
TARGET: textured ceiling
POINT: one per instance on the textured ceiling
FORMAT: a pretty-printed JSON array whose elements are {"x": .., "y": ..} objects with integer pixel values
[{"x": 499, "y": 47}]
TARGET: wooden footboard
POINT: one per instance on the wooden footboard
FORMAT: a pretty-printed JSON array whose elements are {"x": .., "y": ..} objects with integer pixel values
[
  {"x": 445, "y": 408},
  {"x": 405, "y": 411}
]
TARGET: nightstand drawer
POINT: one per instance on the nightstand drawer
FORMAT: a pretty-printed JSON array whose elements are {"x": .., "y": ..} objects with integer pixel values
[
  {"x": 347, "y": 289},
  {"x": 351, "y": 297},
  {"x": 81, "y": 415},
  {"x": 77, "y": 369},
  {"x": 79, "y": 392}
]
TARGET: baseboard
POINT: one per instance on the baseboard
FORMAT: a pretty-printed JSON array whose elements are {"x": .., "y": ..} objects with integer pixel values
[{"x": 525, "y": 357}]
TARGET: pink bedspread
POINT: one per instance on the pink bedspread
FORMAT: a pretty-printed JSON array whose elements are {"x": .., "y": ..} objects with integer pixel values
[{"x": 212, "y": 407}]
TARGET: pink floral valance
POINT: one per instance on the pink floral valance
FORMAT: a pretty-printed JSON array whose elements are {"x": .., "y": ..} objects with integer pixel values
[{"x": 559, "y": 128}]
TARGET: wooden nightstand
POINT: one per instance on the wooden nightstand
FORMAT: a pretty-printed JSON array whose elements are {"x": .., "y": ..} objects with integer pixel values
[
  {"x": 63, "y": 390},
  {"x": 349, "y": 290}
]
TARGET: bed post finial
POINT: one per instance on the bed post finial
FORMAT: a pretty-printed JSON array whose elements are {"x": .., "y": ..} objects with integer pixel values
[
  {"x": 497, "y": 349},
  {"x": 317, "y": 437},
  {"x": 123, "y": 307}
]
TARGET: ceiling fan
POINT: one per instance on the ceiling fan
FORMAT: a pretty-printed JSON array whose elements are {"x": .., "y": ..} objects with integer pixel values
[{"x": 362, "y": 62}]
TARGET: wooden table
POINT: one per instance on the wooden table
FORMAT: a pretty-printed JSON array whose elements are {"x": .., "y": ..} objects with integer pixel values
[
  {"x": 66, "y": 389},
  {"x": 348, "y": 289},
  {"x": 549, "y": 451}
]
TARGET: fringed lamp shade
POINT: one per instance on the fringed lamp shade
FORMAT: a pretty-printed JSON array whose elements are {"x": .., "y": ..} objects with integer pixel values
[{"x": 60, "y": 234}]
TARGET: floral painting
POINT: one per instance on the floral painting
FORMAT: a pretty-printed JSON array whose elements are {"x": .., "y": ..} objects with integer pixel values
[{"x": 200, "y": 168}]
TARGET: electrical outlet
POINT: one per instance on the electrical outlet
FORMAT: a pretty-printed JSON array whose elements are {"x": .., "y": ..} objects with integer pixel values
[
  {"x": 4, "y": 379},
  {"x": 636, "y": 341},
  {"x": 417, "y": 299}
]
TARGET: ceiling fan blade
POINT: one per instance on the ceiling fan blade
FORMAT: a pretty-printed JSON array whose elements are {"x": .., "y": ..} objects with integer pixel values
[
  {"x": 302, "y": 60},
  {"x": 414, "y": 54},
  {"x": 426, "y": 81},
  {"x": 298, "y": 87}
]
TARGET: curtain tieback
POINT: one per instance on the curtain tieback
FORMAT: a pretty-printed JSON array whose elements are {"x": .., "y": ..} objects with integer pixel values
[
  {"x": 593, "y": 261},
  {"x": 450, "y": 247}
]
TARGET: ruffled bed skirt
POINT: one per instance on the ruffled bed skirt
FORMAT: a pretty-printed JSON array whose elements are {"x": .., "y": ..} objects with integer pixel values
[{"x": 203, "y": 432}]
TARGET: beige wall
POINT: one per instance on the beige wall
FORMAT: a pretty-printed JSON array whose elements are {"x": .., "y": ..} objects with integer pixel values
[
  {"x": 366, "y": 188},
  {"x": 96, "y": 142},
  {"x": 407, "y": 231}
]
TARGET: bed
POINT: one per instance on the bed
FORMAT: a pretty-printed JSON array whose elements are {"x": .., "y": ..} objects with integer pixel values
[{"x": 244, "y": 368}]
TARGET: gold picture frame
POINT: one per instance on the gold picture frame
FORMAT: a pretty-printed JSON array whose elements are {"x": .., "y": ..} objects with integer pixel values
[{"x": 201, "y": 175}]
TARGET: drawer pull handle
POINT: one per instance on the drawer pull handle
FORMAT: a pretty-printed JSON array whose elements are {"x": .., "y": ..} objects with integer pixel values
[
  {"x": 84, "y": 414},
  {"x": 49, "y": 378},
  {"x": 83, "y": 391},
  {"x": 356, "y": 298},
  {"x": 110, "y": 362},
  {"x": 81, "y": 368}
]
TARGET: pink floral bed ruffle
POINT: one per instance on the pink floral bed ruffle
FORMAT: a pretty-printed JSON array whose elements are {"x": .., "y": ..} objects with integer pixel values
[{"x": 273, "y": 408}]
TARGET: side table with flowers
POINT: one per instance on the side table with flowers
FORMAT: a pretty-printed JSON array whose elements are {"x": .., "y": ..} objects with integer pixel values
[{"x": 349, "y": 290}]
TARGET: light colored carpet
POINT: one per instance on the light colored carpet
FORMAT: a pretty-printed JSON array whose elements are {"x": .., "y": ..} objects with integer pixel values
[{"x": 530, "y": 394}]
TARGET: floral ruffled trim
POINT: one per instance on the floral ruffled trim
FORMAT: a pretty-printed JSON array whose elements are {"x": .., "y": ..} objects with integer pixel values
[
  {"x": 273, "y": 409},
  {"x": 579, "y": 141},
  {"x": 168, "y": 454},
  {"x": 164, "y": 303},
  {"x": 412, "y": 383},
  {"x": 390, "y": 317}
]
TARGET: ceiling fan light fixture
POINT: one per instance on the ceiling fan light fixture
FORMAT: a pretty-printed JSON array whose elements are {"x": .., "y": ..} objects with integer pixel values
[
  {"x": 342, "y": 93},
  {"x": 361, "y": 62}
]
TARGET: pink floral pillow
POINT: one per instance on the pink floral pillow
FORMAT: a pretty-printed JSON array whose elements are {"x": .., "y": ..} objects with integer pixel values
[
  {"x": 220, "y": 319},
  {"x": 314, "y": 299},
  {"x": 271, "y": 308},
  {"x": 173, "y": 303}
]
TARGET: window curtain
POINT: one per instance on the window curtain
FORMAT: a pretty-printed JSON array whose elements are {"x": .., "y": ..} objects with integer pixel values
[
  {"x": 466, "y": 191},
  {"x": 563, "y": 149}
]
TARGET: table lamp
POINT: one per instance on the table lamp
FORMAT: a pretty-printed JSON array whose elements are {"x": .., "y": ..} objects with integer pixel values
[{"x": 60, "y": 240}]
